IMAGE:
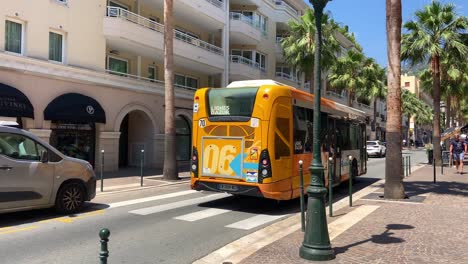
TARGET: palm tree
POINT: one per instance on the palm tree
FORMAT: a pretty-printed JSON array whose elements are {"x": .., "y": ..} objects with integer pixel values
[
  {"x": 374, "y": 85},
  {"x": 170, "y": 164},
  {"x": 348, "y": 73},
  {"x": 437, "y": 28},
  {"x": 394, "y": 188},
  {"x": 299, "y": 46}
]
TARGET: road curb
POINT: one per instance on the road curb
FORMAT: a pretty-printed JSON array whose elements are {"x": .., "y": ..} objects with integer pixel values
[
  {"x": 240, "y": 249},
  {"x": 98, "y": 193}
]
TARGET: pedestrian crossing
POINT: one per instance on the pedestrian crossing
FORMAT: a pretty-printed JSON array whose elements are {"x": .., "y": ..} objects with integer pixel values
[{"x": 248, "y": 220}]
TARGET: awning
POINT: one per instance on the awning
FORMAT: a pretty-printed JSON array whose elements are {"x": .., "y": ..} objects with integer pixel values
[
  {"x": 451, "y": 132},
  {"x": 74, "y": 107},
  {"x": 13, "y": 103}
]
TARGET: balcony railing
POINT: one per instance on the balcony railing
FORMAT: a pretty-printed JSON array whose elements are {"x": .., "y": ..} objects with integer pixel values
[
  {"x": 247, "y": 20},
  {"x": 287, "y": 76},
  {"x": 334, "y": 94},
  {"x": 217, "y": 3},
  {"x": 143, "y": 21},
  {"x": 285, "y": 5},
  {"x": 140, "y": 78},
  {"x": 245, "y": 61}
]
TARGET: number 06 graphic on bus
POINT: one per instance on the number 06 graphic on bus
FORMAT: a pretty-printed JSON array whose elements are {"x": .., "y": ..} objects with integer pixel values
[{"x": 222, "y": 156}]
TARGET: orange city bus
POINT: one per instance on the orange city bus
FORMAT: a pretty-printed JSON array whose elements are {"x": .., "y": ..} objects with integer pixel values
[{"x": 248, "y": 139}]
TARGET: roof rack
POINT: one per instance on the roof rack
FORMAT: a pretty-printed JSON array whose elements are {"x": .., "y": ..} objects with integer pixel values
[{"x": 254, "y": 83}]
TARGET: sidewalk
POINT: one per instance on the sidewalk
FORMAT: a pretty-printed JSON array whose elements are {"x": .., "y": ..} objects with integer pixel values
[
  {"x": 128, "y": 179},
  {"x": 429, "y": 227}
]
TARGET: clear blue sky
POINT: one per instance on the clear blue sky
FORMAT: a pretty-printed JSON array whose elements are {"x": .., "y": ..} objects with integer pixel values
[{"x": 366, "y": 18}]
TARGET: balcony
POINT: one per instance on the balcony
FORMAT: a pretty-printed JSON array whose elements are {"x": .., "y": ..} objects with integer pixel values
[
  {"x": 129, "y": 32},
  {"x": 288, "y": 79},
  {"x": 244, "y": 30},
  {"x": 283, "y": 11},
  {"x": 88, "y": 76},
  {"x": 208, "y": 12},
  {"x": 244, "y": 69}
]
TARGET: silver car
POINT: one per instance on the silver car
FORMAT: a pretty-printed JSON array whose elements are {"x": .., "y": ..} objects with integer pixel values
[{"x": 34, "y": 174}]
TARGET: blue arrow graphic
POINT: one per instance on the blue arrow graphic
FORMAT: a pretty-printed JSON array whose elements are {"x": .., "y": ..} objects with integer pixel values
[{"x": 235, "y": 164}]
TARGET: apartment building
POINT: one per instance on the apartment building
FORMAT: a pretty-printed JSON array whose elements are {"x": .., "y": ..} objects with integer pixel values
[
  {"x": 422, "y": 133},
  {"x": 87, "y": 76}
]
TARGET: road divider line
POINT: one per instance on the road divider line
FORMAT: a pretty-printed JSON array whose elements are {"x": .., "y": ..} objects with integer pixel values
[
  {"x": 175, "y": 205},
  {"x": 17, "y": 230},
  {"x": 255, "y": 221},
  {"x": 202, "y": 214},
  {"x": 151, "y": 198}
]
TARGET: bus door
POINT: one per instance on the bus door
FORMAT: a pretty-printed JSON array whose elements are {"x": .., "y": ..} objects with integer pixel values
[{"x": 362, "y": 148}]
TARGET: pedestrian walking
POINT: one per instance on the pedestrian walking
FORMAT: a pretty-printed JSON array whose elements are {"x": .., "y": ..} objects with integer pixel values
[{"x": 458, "y": 149}]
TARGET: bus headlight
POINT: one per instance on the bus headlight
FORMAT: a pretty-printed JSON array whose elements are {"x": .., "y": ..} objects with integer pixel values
[
  {"x": 264, "y": 172},
  {"x": 194, "y": 167}
]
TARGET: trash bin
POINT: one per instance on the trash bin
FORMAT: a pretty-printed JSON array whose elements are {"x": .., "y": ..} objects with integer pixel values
[{"x": 430, "y": 156}]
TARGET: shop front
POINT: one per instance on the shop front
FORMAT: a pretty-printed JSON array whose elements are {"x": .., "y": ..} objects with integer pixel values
[
  {"x": 14, "y": 105},
  {"x": 73, "y": 123}
]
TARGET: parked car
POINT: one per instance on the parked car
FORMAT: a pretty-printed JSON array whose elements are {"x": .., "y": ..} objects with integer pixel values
[
  {"x": 33, "y": 174},
  {"x": 376, "y": 148}
]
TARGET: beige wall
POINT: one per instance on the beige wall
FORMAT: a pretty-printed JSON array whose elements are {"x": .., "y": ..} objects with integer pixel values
[{"x": 79, "y": 21}]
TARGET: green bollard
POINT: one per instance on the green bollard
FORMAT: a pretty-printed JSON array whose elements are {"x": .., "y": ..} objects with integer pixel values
[
  {"x": 409, "y": 164},
  {"x": 330, "y": 188},
  {"x": 141, "y": 166},
  {"x": 302, "y": 196},
  {"x": 104, "y": 254},
  {"x": 350, "y": 180},
  {"x": 434, "y": 166},
  {"x": 403, "y": 165},
  {"x": 442, "y": 167},
  {"x": 102, "y": 169}
]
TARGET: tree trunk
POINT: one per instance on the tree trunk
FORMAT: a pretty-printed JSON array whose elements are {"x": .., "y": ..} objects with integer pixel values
[
  {"x": 350, "y": 98},
  {"x": 448, "y": 112},
  {"x": 436, "y": 95},
  {"x": 170, "y": 164},
  {"x": 394, "y": 188}
]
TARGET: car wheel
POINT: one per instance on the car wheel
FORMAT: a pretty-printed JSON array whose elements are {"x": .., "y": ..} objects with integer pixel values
[
  {"x": 70, "y": 198},
  {"x": 380, "y": 154}
]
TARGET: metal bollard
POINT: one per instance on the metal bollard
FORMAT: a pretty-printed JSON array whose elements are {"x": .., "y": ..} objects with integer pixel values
[
  {"x": 403, "y": 165},
  {"x": 104, "y": 254},
  {"x": 330, "y": 188},
  {"x": 434, "y": 166},
  {"x": 141, "y": 166},
  {"x": 442, "y": 167},
  {"x": 350, "y": 180},
  {"x": 302, "y": 196},
  {"x": 407, "y": 166},
  {"x": 409, "y": 163},
  {"x": 102, "y": 169}
]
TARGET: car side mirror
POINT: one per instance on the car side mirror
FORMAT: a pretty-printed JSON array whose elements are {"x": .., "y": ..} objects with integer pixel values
[{"x": 44, "y": 157}]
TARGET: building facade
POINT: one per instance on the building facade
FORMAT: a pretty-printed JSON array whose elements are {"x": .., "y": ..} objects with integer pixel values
[{"x": 88, "y": 76}]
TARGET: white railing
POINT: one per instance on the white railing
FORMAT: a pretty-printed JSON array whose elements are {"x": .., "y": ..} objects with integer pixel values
[
  {"x": 217, "y": 3},
  {"x": 285, "y": 5},
  {"x": 143, "y": 21},
  {"x": 247, "y": 20},
  {"x": 334, "y": 94},
  {"x": 245, "y": 61},
  {"x": 140, "y": 78},
  {"x": 287, "y": 76}
]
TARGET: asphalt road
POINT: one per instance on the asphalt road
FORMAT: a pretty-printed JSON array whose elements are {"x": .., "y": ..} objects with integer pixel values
[{"x": 163, "y": 225}]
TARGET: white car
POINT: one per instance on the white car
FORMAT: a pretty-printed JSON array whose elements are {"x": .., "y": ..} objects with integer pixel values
[{"x": 376, "y": 148}]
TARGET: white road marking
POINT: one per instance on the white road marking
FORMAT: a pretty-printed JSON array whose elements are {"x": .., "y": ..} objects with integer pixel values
[
  {"x": 151, "y": 198},
  {"x": 255, "y": 221},
  {"x": 202, "y": 214},
  {"x": 171, "y": 206}
]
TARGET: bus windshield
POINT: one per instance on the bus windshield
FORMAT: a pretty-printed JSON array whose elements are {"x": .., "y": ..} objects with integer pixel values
[{"x": 232, "y": 101}]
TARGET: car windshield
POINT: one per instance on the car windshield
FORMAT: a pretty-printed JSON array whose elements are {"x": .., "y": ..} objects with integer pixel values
[{"x": 371, "y": 143}]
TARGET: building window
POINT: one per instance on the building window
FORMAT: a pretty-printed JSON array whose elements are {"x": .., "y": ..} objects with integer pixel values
[
  {"x": 14, "y": 37},
  {"x": 56, "y": 45},
  {"x": 407, "y": 84},
  {"x": 116, "y": 65},
  {"x": 260, "y": 59},
  {"x": 185, "y": 81},
  {"x": 116, "y": 4}
]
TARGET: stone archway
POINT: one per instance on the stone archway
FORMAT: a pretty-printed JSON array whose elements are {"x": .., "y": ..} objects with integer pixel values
[{"x": 137, "y": 129}]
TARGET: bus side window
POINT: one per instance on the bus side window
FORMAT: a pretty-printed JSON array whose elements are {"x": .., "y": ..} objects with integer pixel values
[
  {"x": 303, "y": 128},
  {"x": 282, "y": 129}
]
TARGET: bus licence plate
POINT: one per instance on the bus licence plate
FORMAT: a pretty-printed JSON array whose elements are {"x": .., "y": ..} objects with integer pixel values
[{"x": 228, "y": 187}]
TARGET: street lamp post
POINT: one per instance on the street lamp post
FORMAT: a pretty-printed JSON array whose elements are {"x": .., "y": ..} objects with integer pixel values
[{"x": 316, "y": 245}]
